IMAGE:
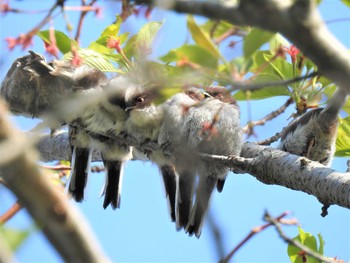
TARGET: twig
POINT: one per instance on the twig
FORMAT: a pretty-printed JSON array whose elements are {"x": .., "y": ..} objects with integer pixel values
[
  {"x": 81, "y": 19},
  {"x": 257, "y": 86},
  {"x": 217, "y": 235},
  {"x": 127, "y": 9},
  {"x": 248, "y": 129},
  {"x": 305, "y": 249},
  {"x": 252, "y": 233},
  {"x": 270, "y": 140},
  {"x": 94, "y": 169},
  {"x": 232, "y": 31},
  {"x": 57, "y": 167},
  {"x": 46, "y": 19},
  {"x": 10, "y": 213}
]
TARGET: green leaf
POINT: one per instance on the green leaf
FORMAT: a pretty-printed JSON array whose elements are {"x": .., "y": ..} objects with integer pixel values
[
  {"x": 321, "y": 241},
  {"x": 263, "y": 62},
  {"x": 63, "y": 42},
  {"x": 264, "y": 93},
  {"x": 100, "y": 48},
  {"x": 129, "y": 48},
  {"x": 113, "y": 29},
  {"x": 14, "y": 238},
  {"x": 241, "y": 65},
  {"x": 192, "y": 53},
  {"x": 145, "y": 37},
  {"x": 201, "y": 38},
  {"x": 94, "y": 59},
  {"x": 307, "y": 239},
  {"x": 346, "y": 2},
  {"x": 219, "y": 27},
  {"x": 343, "y": 140},
  {"x": 329, "y": 91},
  {"x": 278, "y": 41},
  {"x": 140, "y": 43},
  {"x": 254, "y": 40},
  {"x": 283, "y": 68}
]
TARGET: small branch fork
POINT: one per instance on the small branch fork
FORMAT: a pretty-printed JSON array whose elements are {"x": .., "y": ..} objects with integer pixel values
[
  {"x": 303, "y": 248},
  {"x": 82, "y": 17},
  {"x": 248, "y": 129},
  {"x": 257, "y": 230}
]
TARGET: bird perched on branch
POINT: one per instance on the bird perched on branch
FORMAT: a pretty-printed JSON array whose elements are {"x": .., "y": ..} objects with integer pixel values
[
  {"x": 30, "y": 89},
  {"x": 192, "y": 125},
  {"x": 223, "y": 95},
  {"x": 144, "y": 124},
  {"x": 214, "y": 128},
  {"x": 173, "y": 134},
  {"x": 314, "y": 133},
  {"x": 103, "y": 117}
]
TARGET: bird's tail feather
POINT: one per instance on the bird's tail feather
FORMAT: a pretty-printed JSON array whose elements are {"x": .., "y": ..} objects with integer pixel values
[
  {"x": 113, "y": 185},
  {"x": 81, "y": 159},
  {"x": 204, "y": 191},
  {"x": 169, "y": 180},
  {"x": 184, "y": 196}
]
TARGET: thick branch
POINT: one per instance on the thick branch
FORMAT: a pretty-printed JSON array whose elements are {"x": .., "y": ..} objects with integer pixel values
[
  {"x": 298, "y": 20},
  {"x": 62, "y": 224},
  {"x": 272, "y": 166},
  {"x": 268, "y": 165}
]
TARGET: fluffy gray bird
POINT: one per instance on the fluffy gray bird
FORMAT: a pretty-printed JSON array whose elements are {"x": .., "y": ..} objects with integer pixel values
[
  {"x": 314, "y": 133},
  {"x": 213, "y": 128},
  {"x": 173, "y": 134},
  {"x": 102, "y": 120},
  {"x": 223, "y": 95},
  {"x": 85, "y": 80},
  {"x": 144, "y": 124},
  {"x": 29, "y": 87}
]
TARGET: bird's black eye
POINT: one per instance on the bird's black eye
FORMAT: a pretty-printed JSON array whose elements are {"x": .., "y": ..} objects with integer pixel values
[{"x": 140, "y": 100}]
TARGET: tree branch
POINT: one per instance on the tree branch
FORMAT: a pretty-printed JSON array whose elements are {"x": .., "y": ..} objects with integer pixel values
[
  {"x": 62, "y": 224},
  {"x": 268, "y": 165}
]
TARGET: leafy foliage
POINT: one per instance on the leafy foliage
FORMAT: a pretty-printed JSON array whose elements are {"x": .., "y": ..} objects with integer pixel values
[
  {"x": 346, "y": 2},
  {"x": 64, "y": 43},
  {"x": 307, "y": 239},
  {"x": 343, "y": 142}
]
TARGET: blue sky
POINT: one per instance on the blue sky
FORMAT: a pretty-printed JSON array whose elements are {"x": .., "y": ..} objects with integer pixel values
[{"x": 141, "y": 230}]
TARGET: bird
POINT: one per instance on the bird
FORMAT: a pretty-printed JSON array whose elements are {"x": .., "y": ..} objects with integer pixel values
[
  {"x": 109, "y": 119},
  {"x": 101, "y": 120},
  {"x": 144, "y": 122},
  {"x": 173, "y": 135},
  {"x": 213, "y": 128},
  {"x": 313, "y": 134},
  {"x": 86, "y": 80},
  {"x": 30, "y": 89},
  {"x": 223, "y": 95}
]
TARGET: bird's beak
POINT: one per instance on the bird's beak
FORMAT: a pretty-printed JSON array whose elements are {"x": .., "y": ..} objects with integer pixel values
[
  {"x": 207, "y": 95},
  {"x": 130, "y": 108}
]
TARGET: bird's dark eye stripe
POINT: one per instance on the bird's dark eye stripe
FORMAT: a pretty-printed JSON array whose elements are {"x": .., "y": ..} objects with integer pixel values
[{"x": 118, "y": 101}]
